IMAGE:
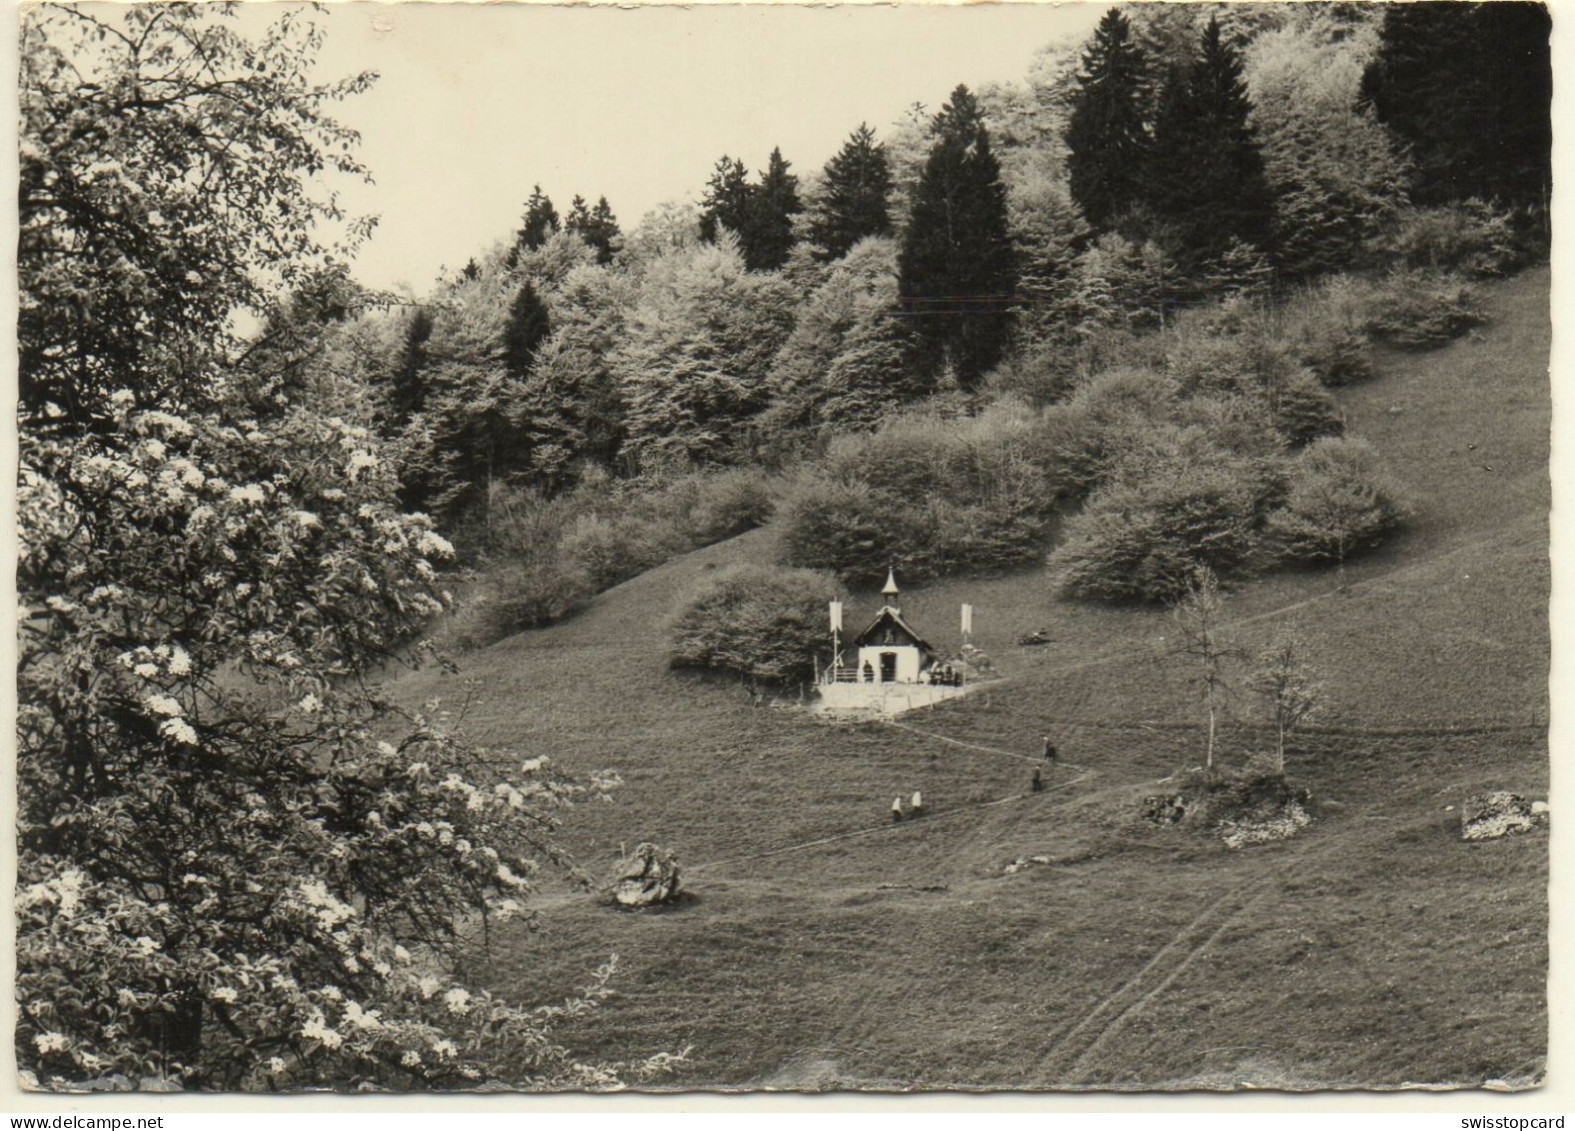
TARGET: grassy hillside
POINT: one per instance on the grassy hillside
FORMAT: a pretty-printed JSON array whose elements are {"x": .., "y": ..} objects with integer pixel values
[{"x": 824, "y": 946}]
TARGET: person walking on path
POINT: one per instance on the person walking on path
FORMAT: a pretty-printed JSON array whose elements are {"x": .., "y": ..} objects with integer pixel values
[
  {"x": 1038, "y": 783},
  {"x": 1050, "y": 751},
  {"x": 918, "y": 804},
  {"x": 896, "y": 809}
]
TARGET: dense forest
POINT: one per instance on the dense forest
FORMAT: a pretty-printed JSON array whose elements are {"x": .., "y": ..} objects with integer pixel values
[
  {"x": 1088, "y": 321},
  {"x": 1153, "y": 256}
]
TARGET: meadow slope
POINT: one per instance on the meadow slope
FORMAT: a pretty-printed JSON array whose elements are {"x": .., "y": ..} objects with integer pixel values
[{"x": 824, "y": 947}]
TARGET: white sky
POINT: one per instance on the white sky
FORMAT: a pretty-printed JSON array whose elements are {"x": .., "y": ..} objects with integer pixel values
[{"x": 477, "y": 103}]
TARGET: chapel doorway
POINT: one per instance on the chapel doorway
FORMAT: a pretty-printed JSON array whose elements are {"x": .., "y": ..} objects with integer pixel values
[{"x": 888, "y": 667}]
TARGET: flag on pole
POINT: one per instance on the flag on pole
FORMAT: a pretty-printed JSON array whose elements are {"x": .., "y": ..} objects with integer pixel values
[
  {"x": 836, "y": 616},
  {"x": 967, "y": 619}
]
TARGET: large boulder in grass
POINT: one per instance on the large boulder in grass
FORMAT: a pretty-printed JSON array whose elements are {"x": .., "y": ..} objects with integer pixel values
[
  {"x": 646, "y": 877},
  {"x": 1489, "y": 816}
]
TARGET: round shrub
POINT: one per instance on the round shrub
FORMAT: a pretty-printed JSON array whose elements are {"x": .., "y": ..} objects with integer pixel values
[
  {"x": 725, "y": 503},
  {"x": 933, "y": 497},
  {"x": 613, "y": 549},
  {"x": 1339, "y": 501},
  {"x": 1420, "y": 310},
  {"x": 1086, "y": 436},
  {"x": 763, "y": 623},
  {"x": 1144, "y": 535},
  {"x": 1467, "y": 236}
]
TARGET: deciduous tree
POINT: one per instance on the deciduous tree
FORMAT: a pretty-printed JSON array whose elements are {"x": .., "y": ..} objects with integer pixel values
[
  {"x": 1287, "y": 690},
  {"x": 160, "y": 158},
  {"x": 239, "y": 866}
]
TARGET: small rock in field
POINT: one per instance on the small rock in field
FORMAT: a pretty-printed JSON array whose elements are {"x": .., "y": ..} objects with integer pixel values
[
  {"x": 647, "y": 876},
  {"x": 1489, "y": 816}
]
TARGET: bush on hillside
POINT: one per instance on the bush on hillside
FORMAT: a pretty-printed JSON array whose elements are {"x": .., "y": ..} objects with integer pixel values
[
  {"x": 724, "y": 503},
  {"x": 1233, "y": 350},
  {"x": 1109, "y": 413},
  {"x": 934, "y": 497},
  {"x": 1469, "y": 236},
  {"x": 611, "y": 548},
  {"x": 1325, "y": 329},
  {"x": 1420, "y": 310},
  {"x": 1143, "y": 536},
  {"x": 549, "y": 555},
  {"x": 532, "y": 581},
  {"x": 763, "y": 623},
  {"x": 530, "y": 595},
  {"x": 1339, "y": 501}
]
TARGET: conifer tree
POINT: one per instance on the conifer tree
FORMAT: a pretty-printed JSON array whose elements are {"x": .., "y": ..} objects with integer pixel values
[
  {"x": 768, "y": 230},
  {"x": 579, "y": 215},
  {"x": 955, "y": 272},
  {"x": 602, "y": 233},
  {"x": 726, "y": 200},
  {"x": 854, "y": 201},
  {"x": 406, "y": 393},
  {"x": 1467, "y": 87},
  {"x": 1207, "y": 179},
  {"x": 1107, "y": 137},
  {"x": 527, "y": 327},
  {"x": 541, "y": 220}
]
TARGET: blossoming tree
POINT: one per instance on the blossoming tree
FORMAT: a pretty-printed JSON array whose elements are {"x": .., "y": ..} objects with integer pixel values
[{"x": 241, "y": 866}]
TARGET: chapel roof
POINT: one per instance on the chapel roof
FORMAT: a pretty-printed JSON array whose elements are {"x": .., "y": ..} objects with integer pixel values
[{"x": 889, "y": 615}]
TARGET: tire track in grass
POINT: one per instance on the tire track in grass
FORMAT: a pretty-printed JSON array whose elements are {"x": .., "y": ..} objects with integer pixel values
[
  {"x": 865, "y": 1021},
  {"x": 1248, "y": 894},
  {"x": 1166, "y": 965},
  {"x": 1119, "y": 1004}
]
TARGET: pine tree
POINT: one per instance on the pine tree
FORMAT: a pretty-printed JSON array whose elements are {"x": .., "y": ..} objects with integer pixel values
[
  {"x": 726, "y": 200},
  {"x": 1468, "y": 88},
  {"x": 406, "y": 392},
  {"x": 602, "y": 233},
  {"x": 1107, "y": 137},
  {"x": 527, "y": 327},
  {"x": 579, "y": 216},
  {"x": 541, "y": 220},
  {"x": 768, "y": 229},
  {"x": 1207, "y": 179},
  {"x": 955, "y": 272},
  {"x": 854, "y": 200}
]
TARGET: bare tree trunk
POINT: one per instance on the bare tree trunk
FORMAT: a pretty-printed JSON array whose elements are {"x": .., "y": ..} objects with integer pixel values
[{"x": 1208, "y": 759}]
